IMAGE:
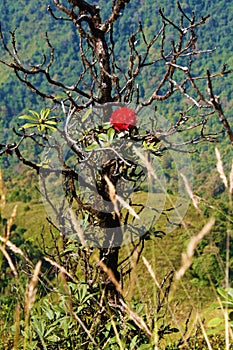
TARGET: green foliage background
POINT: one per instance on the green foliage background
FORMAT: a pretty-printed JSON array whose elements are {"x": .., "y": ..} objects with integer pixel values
[{"x": 32, "y": 21}]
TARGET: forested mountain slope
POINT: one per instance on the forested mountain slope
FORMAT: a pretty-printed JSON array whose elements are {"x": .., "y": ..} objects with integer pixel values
[{"x": 32, "y": 20}]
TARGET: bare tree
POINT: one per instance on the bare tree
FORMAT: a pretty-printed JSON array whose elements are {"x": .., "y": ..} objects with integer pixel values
[{"x": 105, "y": 87}]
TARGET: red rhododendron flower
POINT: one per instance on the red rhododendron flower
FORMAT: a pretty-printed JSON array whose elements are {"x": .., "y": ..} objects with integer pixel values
[{"x": 123, "y": 119}]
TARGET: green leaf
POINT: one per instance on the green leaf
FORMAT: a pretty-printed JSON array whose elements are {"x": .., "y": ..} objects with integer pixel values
[
  {"x": 145, "y": 145},
  {"x": 51, "y": 128},
  {"x": 42, "y": 127},
  {"x": 49, "y": 312},
  {"x": 44, "y": 113},
  {"x": 110, "y": 134},
  {"x": 91, "y": 147},
  {"x": 86, "y": 115},
  {"x": 216, "y": 330},
  {"x": 28, "y": 117},
  {"x": 39, "y": 327},
  {"x": 53, "y": 338},
  {"x": 215, "y": 322},
  {"x": 37, "y": 115},
  {"x": 139, "y": 308},
  {"x": 228, "y": 304},
  {"x": 214, "y": 305},
  {"x": 222, "y": 292},
  {"x": 133, "y": 342},
  {"x": 226, "y": 294},
  {"x": 103, "y": 137},
  {"x": 82, "y": 291},
  {"x": 50, "y": 329},
  {"x": 230, "y": 293},
  {"x": 28, "y": 125},
  {"x": 145, "y": 347},
  {"x": 50, "y": 122},
  {"x": 106, "y": 126},
  {"x": 59, "y": 96}
]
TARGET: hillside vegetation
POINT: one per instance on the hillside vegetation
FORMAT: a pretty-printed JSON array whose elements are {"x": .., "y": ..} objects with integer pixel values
[
  {"x": 31, "y": 20},
  {"x": 65, "y": 309}
]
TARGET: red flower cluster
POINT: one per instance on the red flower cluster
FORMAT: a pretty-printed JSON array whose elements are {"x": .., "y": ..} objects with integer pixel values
[{"x": 123, "y": 119}]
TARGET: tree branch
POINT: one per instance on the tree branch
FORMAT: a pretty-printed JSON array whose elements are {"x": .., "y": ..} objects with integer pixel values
[{"x": 218, "y": 108}]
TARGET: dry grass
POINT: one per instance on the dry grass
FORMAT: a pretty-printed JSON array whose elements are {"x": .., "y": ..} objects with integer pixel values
[
  {"x": 220, "y": 167},
  {"x": 187, "y": 257}
]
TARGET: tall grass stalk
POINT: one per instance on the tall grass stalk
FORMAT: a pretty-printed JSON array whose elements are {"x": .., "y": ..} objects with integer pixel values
[
  {"x": 205, "y": 334},
  {"x": 192, "y": 196},
  {"x": 156, "y": 287},
  {"x": 10, "y": 222},
  {"x": 187, "y": 257},
  {"x": 9, "y": 260},
  {"x": 121, "y": 346},
  {"x": 6, "y": 244},
  {"x": 30, "y": 297},
  {"x": 229, "y": 187}
]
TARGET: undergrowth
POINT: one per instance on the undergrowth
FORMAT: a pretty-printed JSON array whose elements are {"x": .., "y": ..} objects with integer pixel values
[{"x": 47, "y": 303}]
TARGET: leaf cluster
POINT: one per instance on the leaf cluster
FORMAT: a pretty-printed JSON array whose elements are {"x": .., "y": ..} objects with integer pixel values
[{"x": 43, "y": 121}]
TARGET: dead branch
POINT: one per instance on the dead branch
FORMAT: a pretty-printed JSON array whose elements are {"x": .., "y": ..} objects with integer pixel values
[{"x": 214, "y": 100}]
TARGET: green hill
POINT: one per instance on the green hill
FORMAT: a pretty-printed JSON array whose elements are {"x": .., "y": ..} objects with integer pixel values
[{"x": 32, "y": 20}]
